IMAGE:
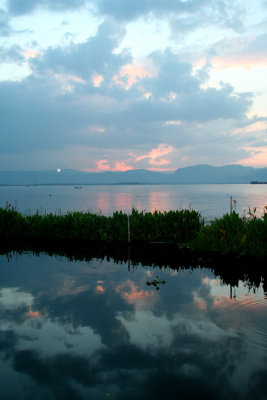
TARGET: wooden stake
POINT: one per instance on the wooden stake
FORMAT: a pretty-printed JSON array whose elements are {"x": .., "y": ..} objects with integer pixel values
[{"x": 129, "y": 233}]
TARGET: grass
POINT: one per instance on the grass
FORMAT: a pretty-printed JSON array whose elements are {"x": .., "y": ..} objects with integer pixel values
[
  {"x": 233, "y": 234},
  {"x": 230, "y": 234},
  {"x": 177, "y": 227}
]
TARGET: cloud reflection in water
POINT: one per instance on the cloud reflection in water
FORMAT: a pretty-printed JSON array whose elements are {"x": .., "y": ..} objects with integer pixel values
[{"x": 95, "y": 330}]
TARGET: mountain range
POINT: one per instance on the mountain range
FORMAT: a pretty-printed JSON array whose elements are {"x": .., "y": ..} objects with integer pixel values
[{"x": 189, "y": 175}]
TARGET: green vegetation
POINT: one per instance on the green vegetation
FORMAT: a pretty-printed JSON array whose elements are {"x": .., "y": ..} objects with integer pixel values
[
  {"x": 230, "y": 234},
  {"x": 178, "y": 227},
  {"x": 234, "y": 234}
]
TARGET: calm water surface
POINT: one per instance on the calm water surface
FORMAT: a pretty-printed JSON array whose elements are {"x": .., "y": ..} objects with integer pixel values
[
  {"x": 96, "y": 330},
  {"x": 211, "y": 200}
]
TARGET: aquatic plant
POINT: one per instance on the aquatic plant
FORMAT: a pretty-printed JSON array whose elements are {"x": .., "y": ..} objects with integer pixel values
[
  {"x": 173, "y": 227},
  {"x": 183, "y": 228},
  {"x": 234, "y": 234},
  {"x": 156, "y": 282}
]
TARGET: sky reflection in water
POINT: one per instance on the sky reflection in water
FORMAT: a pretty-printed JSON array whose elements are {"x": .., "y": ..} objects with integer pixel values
[
  {"x": 210, "y": 200},
  {"x": 97, "y": 330}
]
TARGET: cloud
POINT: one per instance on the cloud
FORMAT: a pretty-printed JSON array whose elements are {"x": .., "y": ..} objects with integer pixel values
[
  {"x": 148, "y": 338},
  {"x": 183, "y": 15},
  {"x": 155, "y": 155},
  {"x": 12, "y": 54},
  {"x": 174, "y": 75},
  {"x": 244, "y": 52},
  {"x": 104, "y": 165},
  {"x": 21, "y": 7},
  {"x": 107, "y": 104},
  {"x": 130, "y": 74},
  {"x": 97, "y": 79},
  {"x": 257, "y": 156},
  {"x": 85, "y": 59},
  {"x": 5, "y": 29},
  {"x": 128, "y": 10}
]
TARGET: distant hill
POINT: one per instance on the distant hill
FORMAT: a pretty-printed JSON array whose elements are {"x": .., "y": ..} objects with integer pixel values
[
  {"x": 225, "y": 174},
  {"x": 196, "y": 174}
]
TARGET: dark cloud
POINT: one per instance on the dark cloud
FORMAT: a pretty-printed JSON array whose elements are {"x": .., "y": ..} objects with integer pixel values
[
  {"x": 173, "y": 75},
  {"x": 211, "y": 104},
  {"x": 5, "y": 29},
  {"x": 258, "y": 45},
  {"x": 182, "y": 15},
  {"x": 20, "y": 7},
  {"x": 119, "y": 9},
  {"x": 12, "y": 54},
  {"x": 94, "y": 55},
  {"x": 71, "y": 310},
  {"x": 124, "y": 371},
  {"x": 129, "y": 10}
]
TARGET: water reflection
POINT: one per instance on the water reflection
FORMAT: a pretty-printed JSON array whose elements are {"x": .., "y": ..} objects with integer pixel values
[
  {"x": 210, "y": 200},
  {"x": 96, "y": 330},
  {"x": 102, "y": 202},
  {"x": 159, "y": 200}
]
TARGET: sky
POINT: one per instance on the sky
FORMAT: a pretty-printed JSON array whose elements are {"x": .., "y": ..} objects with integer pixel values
[{"x": 127, "y": 84}]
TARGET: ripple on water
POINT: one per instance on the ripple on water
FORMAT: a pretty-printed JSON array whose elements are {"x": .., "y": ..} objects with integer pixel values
[
  {"x": 255, "y": 309},
  {"x": 253, "y": 302}
]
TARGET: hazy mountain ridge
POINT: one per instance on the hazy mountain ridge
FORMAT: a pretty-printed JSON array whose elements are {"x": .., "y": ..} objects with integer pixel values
[{"x": 194, "y": 174}]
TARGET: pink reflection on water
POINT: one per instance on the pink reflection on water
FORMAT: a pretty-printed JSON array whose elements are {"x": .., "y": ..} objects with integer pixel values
[
  {"x": 33, "y": 314},
  {"x": 124, "y": 201},
  {"x": 159, "y": 201},
  {"x": 139, "y": 297},
  {"x": 103, "y": 202}
]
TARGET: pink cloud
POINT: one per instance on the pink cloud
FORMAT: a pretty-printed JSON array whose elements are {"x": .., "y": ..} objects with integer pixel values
[
  {"x": 162, "y": 150},
  {"x": 97, "y": 80},
  {"x": 68, "y": 78},
  {"x": 30, "y": 54},
  {"x": 147, "y": 95},
  {"x": 132, "y": 74},
  {"x": 257, "y": 157},
  {"x": 161, "y": 161},
  {"x": 33, "y": 314},
  {"x": 246, "y": 61},
  {"x": 132, "y": 293},
  {"x": 245, "y": 53},
  {"x": 255, "y": 127},
  {"x": 103, "y": 165},
  {"x": 121, "y": 166},
  {"x": 67, "y": 81}
]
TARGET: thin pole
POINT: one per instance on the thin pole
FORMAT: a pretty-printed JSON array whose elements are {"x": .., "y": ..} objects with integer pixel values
[
  {"x": 129, "y": 232},
  {"x": 231, "y": 204},
  {"x": 129, "y": 258}
]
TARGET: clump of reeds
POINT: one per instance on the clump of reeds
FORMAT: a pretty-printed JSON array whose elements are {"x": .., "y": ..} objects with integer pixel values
[
  {"x": 171, "y": 227},
  {"x": 185, "y": 228},
  {"x": 234, "y": 234}
]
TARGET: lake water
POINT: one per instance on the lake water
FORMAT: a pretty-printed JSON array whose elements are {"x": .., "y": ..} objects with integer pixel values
[
  {"x": 96, "y": 330},
  {"x": 210, "y": 200}
]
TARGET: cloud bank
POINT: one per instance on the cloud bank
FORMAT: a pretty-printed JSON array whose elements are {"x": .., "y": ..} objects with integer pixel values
[{"x": 92, "y": 104}]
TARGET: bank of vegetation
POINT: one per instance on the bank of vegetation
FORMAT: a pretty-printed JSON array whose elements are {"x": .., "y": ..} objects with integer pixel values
[{"x": 230, "y": 234}]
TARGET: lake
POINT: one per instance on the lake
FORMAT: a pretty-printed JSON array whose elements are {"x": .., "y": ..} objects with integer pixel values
[
  {"x": 98, "y": 329},
  {"x": 210, "y": 200}
]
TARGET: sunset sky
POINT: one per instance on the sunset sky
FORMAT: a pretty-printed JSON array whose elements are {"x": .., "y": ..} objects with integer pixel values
[{"x": 125, "y": 84}]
